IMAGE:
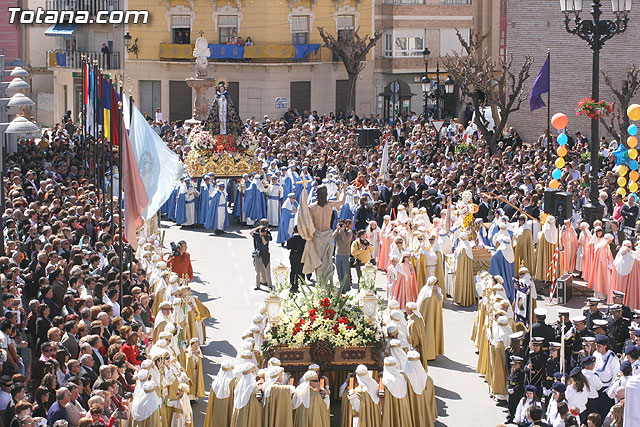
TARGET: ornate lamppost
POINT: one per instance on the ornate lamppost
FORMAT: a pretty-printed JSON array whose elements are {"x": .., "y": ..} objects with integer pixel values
[{"x": 595, "y": 32}]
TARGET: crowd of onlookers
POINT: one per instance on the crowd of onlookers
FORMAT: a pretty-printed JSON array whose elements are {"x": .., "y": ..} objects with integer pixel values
[{"x": 75, "y": 318}]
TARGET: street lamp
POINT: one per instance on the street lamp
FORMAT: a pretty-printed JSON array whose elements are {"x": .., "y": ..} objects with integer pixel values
[
  {"x": 426, "y": 83},
  {"x": 449, "y": 85},
  {"x": 131, "y": 48},
  {"x": 595, "y": 32}
]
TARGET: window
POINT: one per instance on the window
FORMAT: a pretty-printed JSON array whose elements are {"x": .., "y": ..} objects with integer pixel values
[
  {"x": 408, "y": 46},
  {"x": 388, "y": 45},
  {"x": 455, "y": 1},
  {"x": 227, "y": 28},
  {"x": 300, "y": 29},
  {"x": 404, "y": 1},
  {"x": 181, "y": 27},
  {"x": 345, "y": 24}
]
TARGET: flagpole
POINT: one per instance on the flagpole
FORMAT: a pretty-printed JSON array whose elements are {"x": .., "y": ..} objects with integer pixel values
[
  {"x": 120, "y": 173},
  {"x": 85, "y": 88},
  {"x": 111, "y": 178},
  {"x": 130, "y": 118},
  {"x": 549, "y": 103},
  {"x": 95, "y": 122}
]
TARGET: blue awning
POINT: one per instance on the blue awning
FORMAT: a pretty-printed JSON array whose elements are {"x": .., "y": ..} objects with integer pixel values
[{"x": 60, "y": 30}]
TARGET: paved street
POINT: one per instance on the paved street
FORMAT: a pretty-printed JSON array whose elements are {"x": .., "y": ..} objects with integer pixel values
[{"x": 224, "y": 280}]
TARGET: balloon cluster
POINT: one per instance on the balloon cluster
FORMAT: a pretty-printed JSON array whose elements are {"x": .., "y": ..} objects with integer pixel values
[
  {"x": 627, "y": 158},
  {"x": 559, "y": 121}
]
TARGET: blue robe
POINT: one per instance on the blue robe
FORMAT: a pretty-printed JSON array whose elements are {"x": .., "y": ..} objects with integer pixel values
[
  {"x": 501, "y": 267},
  {"x": 308, "y": 185},
  {"x": 283, "y": 225},
  {"x": 181, "y": 210},
  {"x": 238, "y": 202},
  {"x": 171, "y": 204},
  {"x": 202, "y": 203},
  {"x": 212, "y": 213},
  {"x": 493, "y": 229},
  {"x": 289, "y": 183},
  {"x": 255, "y": 206},
  {"x": 346, "y": 212}
]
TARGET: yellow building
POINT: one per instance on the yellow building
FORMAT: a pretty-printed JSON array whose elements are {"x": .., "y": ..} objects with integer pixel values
[{"x": 282, "y": 69}]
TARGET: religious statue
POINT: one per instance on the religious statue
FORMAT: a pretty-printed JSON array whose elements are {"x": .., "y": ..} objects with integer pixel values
[
  {"x": 201, "y": 52},
  {"x": 223, "y": 117}
]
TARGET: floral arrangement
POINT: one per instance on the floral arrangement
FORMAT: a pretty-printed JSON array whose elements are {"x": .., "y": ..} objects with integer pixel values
[
  {"x": 464, "y": 147},
  {"x": 465, "y": 208},
  {"x": 323, "y": 313},
  {"x": 201, "y": 140},
  {"x": 594, "y": 109}
]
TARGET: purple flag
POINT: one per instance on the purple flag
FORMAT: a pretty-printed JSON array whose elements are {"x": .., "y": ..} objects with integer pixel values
[{"x": 540, "y": 86}]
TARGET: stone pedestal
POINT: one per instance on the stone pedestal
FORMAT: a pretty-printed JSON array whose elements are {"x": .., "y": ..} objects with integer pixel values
[{"x": 201, "y": 85}]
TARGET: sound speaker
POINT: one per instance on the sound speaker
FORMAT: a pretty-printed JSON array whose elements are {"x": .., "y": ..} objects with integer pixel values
[
  {"x": 550, "y": 200},
  {"x": 564, "y": 288},
  {"x": 563, "y": 209},
  {"x": 367, "y": 137}
]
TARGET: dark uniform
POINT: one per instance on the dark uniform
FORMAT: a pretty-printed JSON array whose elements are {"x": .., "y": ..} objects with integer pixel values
[
  {"x": 576, "y": 350},
  {"x": 536, "y": 374},
  {"x": 515, "y": 387},
  {"x": 618, "y": 332},
  {"x": 541, "y": 329},
  {"x": 591, "y": 317}
]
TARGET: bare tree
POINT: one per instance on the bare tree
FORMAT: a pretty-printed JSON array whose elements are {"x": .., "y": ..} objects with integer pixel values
[
  {"x": 618, "y": 123},
  {"x": 487, "y": 82},
  {"x": 352, "y": 50}
]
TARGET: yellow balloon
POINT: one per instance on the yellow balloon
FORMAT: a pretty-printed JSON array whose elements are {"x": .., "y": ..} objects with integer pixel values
[
  {"x": 560, "y": 162},
  {"x": 633, "y": 111},
  {"x": 622, "y": 170},
  {"x": 634, "y": 176},
  {"x": 633, "y": 153},
  {"x": 621, "y": 191},
  {"x": 562, "y": 151},
  {"x": 622, "y": 181},
  {"x": 632, "y": 142},
  {"x": 633, "y": 186},
  {"x": 554, "y": 183}
]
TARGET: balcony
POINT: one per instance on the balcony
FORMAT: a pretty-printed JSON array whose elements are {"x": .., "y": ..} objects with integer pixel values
[
  {"x": 257, "y": 54},
  {"x": 92, "y": 6},
  {"x": 73, "y": 59}
]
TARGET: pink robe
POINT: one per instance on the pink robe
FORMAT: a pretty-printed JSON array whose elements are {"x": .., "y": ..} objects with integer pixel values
[
  {"x": 383, "y": 251},
  {"x": 412, "y": 282},
  {"x": 630, "y": 285},
  {"x": 569, "y": 241},
  {"x": 400, "y": 286},
  {"x": 604, "y": 275},
  {"x": 587, "y": 260}
]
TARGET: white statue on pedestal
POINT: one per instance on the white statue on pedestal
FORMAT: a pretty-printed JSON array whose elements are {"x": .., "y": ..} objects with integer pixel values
[{"x": 201, "y": 52}]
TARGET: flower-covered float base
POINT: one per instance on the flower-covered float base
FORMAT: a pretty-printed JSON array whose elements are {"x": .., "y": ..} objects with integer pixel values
[
  {"x": 328, "y": 357},
  {"x": 227, "y": 156},
  {"x": 323, "y": 326}
]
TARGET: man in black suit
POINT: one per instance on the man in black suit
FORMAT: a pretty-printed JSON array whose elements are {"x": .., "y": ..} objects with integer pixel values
[
  {"x": 541, "y": 329},
  {"x": 483, "y": 209},
  {"x": 385, "y": 191},
  {"x": 87, "y": 369},
  {"x": 69, "y": 340},
  {"x": 295, "y": 244}
]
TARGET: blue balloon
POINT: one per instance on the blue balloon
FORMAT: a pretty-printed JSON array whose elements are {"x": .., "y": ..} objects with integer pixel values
[
  {"x": 633, "y": 165},
  {"x": 557, "y": 173},
  {"x": 633, "y": 130},
  {"x": 621, "y": 155},
  {"x": 562, "y": 139}
]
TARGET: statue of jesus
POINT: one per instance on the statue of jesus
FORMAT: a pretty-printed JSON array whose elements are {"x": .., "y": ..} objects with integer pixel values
[{"x": 323, "y": 241}]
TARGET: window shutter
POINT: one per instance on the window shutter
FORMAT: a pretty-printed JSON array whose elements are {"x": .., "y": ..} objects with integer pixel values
[{"x": 181, "y": 21}]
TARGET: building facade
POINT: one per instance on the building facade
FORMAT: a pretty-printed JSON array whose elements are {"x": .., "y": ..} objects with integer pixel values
[
  {"x": 537, "y": 26},
  {"x": 65, "y": 45},
  {"x": 285, "y": 66},
  {"x": 409, "y": 27}
]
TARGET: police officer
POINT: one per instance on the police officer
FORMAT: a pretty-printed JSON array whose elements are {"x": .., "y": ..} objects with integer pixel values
[
  {"x": 580, "y": 331},
  {"x": 515, "y": 386},
  {"x": 542, "y": 330},
  {"x": 618, "y": 298},
  {"x": 617, "y": 328},
  {"x": 591, "y": 312},
  {"x": 516, "y": 346},
  {"x": 569, "y": 334},
  {"x": 600, "y": 327},
  {"x": 552, "y": 365},
  {"x": 537, "y": 359}
]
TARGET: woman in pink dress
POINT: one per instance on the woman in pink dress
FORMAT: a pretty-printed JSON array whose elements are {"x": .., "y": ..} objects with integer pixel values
[
  {"x": 587, "y": 265},
  {"x": 627, "y": 266},
  {"x": 412, "y": 281},
  {"x": 585, "y": 235},
  {"x": 385, "y": 244},
  {"x": 604, "y": 275},
  {"x": 569, "y": 243},
  {"x": 399, "y": 285}
]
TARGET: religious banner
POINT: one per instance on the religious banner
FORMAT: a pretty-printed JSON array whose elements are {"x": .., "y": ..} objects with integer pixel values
[
  {"x": 269, "y": 51},
  {"x": 224, "y": 51}
]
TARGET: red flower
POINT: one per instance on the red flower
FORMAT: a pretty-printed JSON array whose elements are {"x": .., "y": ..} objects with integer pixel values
[
  {"x": 329, "y": 314},
  {"x": 335, "y": 329},
  {"x": 325, "y": 303},
  {"x": 313, "y": 312}
]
